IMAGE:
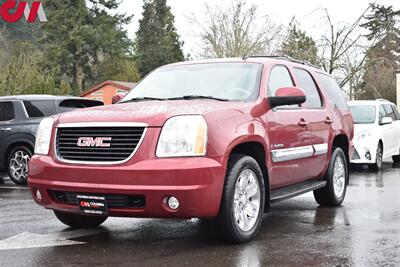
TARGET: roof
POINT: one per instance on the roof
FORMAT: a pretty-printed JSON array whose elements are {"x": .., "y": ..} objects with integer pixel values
[
  {"x": 254, "y": 59},
  {"x": 121, "y": 85},
  {"x": 368, "y": 102},
  {"x": 38, "y": 97}
]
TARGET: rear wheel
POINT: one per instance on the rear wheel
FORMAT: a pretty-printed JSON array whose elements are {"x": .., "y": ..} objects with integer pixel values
[
  {"x": 243, "y": 200},
  {"x": 396, "y": 158},
  {"x": 336, "y": 177},
  {"x": 79, "y": 221},
  {"x": 379, "y": 159},
  {"x": 17, "y": 164}
]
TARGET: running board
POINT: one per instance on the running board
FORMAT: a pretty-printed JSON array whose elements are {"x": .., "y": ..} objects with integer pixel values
[{"x": 290, "y": 191}]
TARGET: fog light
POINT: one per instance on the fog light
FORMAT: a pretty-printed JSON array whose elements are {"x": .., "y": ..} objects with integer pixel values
[
  {"x": 38, "y": 195},
  {"x": 173, "y": 203},
  {"x": 368, "y": 156}
]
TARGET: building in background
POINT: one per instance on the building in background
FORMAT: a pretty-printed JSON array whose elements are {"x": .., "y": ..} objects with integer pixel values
[{"x": 106, "y": 90}]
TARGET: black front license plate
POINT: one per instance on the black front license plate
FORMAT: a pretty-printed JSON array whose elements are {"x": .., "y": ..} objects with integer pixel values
[{"x": 96, "y": 205}]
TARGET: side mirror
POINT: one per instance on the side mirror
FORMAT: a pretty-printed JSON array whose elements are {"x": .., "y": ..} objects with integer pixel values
[
  {"x": 116, "y": 98},
  {"x": 386, "y": 120},
  {"x": 287, "y": 96}
]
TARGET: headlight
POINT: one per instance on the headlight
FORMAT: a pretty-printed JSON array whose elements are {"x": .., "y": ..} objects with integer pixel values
[
  {"x": 43, "y": 136},
  {"x": 183, "y": 136},
  {"x": 363, "y": 135}
]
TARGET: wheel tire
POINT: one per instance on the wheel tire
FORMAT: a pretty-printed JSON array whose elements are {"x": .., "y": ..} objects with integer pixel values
[
  {"x": 77, "y": 221},
  {"x": 329, "y": 195},
  {"x": 379, "y": 159},
  {"x": 19, "y": 158},
  {"x": 396, "y": 158},
  {"x": 227, "y": 222}
]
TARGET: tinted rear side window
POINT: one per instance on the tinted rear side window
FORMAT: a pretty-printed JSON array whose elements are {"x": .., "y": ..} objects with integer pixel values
[
  {"x": 306, "y": 82},
  {"x": 71, "y": 104},
  {"x": 396, "y": 112},
  {"x": 7, "y": 111},
  {"x": 40, "y": 108},
  {"x": 389, "y": 111},
  {"x": 333, "y": 91}
]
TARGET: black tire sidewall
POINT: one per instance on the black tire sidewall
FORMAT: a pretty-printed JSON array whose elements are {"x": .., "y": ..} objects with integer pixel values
[
  {"x": 239, "y": 163},
  {"x": 13, "y": 151},
  {"x": 338, "y": 152}
]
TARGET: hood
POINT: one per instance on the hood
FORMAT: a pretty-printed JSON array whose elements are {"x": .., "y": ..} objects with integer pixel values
[
  {"x": 359, "y": 128},
  {"x": 153, "y": 113}
]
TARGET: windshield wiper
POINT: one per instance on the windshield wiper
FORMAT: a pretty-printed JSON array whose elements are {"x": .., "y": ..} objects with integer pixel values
[
  {"x": 145, "y": 98},
  {"x": 190, "y": 97}
]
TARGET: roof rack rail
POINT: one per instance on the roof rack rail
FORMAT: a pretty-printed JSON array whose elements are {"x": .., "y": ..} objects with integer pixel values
[
  {"x": 382, "y": 99},
  {"x": 284, "y": 57}
]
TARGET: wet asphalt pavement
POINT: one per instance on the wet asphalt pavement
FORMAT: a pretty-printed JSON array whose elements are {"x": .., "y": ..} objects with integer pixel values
[{"x": 365, "y": 231}]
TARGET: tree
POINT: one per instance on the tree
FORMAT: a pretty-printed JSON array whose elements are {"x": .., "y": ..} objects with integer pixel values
[
  {"x": 118, "y": 69},
  {"x": 237, "y": 31},
  {"x": 23, "y": 75},
  {"x": 157, "y": 41},
  {"x": 299, "y": 45},
  {"x": 383, "y": 58},
  {"x": 341, "y": 43},
  {"x": 80, "y": 33}
]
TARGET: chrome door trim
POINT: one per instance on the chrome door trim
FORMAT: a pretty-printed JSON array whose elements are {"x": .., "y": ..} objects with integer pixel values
[
  {"x": 287, "y": 154},
  {"x": 280, "y": 155},
  {"x": 320, "y": 149}
]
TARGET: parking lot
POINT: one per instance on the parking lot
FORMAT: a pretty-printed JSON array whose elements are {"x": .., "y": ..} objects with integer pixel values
[{"x": 365, "y": 231}]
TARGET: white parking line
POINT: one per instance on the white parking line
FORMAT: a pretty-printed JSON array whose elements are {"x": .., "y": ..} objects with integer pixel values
[{"x": 14, "y": 187}]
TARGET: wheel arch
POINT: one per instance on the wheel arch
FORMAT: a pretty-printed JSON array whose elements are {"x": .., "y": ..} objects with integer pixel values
[
  {"x": 256, "y": 150},
  {"x": 342, "y": 141},
  {"x": 20, "y": 142}
]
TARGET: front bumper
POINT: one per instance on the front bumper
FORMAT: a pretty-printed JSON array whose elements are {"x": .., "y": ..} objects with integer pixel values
[
  {"x": 196, "y": 182},
  {"x": 364, "y": 152}
]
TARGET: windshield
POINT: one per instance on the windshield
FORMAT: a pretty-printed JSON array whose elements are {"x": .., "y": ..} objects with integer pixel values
[
  {"x": 363, "y": 114},
  {"x": 228, "y": 81}
]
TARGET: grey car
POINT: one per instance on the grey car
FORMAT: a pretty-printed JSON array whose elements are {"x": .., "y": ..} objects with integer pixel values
[{"x": 19, "y": 118}]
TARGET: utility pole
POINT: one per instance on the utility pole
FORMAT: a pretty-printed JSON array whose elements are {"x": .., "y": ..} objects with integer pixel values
[{"x": 398, "y": 87}]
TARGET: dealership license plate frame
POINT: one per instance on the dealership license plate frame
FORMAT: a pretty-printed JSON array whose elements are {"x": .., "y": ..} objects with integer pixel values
[{"x": 92, "y": 205}]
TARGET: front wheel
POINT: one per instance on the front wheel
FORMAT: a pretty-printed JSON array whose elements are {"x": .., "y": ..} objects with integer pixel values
[
  {"x": 379, "y": 159},
  {"x": 333, "y": 193},
  {"x": 78, "y": 221},
  {"x": 243, "y": 200},
  {"x": 17, "y": 164}
]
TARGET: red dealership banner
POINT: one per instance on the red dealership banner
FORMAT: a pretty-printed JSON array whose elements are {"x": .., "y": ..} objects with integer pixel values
[{"x": 12, "y": 11}]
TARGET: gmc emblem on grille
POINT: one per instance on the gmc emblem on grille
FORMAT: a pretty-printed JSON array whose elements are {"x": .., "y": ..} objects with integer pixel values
[{"x": 93, "y": 142}]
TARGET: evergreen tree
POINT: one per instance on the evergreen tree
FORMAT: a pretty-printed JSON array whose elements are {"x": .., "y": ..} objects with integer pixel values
[
  {"x": 383, "y": 58},
  {"x": 79, "y": 34},
  {"x": 157, "y": 41},
  {"x": 299, "y": 45}
]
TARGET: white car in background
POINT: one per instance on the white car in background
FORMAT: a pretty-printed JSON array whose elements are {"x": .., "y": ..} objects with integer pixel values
[{"x": 376, "y": 132}]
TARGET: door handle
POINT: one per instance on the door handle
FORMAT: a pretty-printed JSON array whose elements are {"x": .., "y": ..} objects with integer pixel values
[
  {"x": 303, "y": 123},
  {"x": 5, "y": 130},
  {"x": 328, "y": 120}
]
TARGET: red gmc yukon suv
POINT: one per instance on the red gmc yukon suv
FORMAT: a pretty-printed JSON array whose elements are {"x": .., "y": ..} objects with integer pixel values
[{"x": 220, "y": 140}]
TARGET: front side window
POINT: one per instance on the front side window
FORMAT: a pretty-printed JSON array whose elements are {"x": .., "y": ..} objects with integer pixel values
[
  {"x": 279, "y": 78},
  {"x": 228, "y": 81},
  {"x": 7, "y": 111},
  {"x": 363, "y": 114},
  {"x": 306, "y": 82},
  {"x": 40, "y": 108}
]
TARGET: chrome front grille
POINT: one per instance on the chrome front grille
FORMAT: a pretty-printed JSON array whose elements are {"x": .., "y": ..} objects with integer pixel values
[{"x": 100, "y": 144}]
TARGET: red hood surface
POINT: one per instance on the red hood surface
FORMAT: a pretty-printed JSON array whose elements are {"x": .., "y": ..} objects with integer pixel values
[{"x": 153, "y": 113}]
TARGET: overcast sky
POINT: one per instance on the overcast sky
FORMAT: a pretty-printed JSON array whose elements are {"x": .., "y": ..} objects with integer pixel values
[{"x": 280, "y": 11}]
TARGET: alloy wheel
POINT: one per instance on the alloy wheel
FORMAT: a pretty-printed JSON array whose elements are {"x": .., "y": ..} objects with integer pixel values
[
  {"x": 19, "y": 165},
  {"x": 247, "y": 200},
  {"x": 339, "y": 177}
]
